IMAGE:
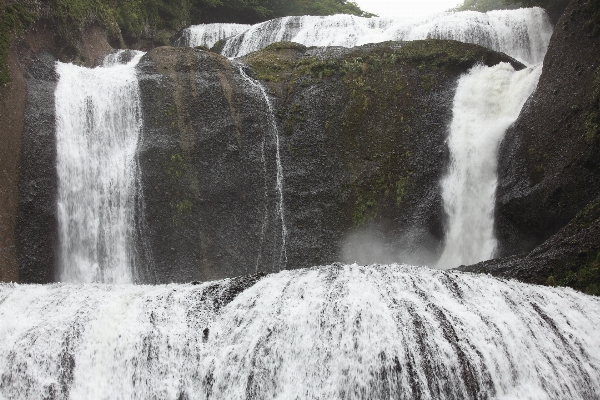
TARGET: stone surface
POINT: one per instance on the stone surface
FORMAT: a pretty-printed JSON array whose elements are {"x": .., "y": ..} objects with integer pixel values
[
  {"x": 549, "y": 164},
  {"x": 547, "y": 216},
  {"x": 361, "y": 142}
]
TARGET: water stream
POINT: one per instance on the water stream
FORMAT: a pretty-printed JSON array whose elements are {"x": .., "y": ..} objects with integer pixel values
[
  {"x": 98, "y": 123},
  {"x": 282, "y": 261},
  {"x": 488, "y": 101}
]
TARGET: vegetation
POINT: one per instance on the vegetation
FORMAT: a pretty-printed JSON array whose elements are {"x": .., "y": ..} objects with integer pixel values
[
  {"x": 129, "y": 21},
  {"x": 13, "y": 18},
  {"x": 580, "y": 276}
]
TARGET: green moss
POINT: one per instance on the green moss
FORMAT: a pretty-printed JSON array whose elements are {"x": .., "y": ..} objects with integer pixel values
[
  {"x": 181, "y": 210},
  {"x": 592, "y": 120},
  {"x": 383, "y": 190},
  {"x": 401, "y": 186},
  {"x": 176, "y": 165},
  {"x": 275, "y": 62},
  {"x": 295, "y": 117},
  {"x": 583, "y": 276},
  {"x": 592, "y": 23},
  {"x": 449, "y": 56},
  {"x": 13, "y": 19},
  {"x": 180, "y": 205},
  {"x": 586, "y": 218}
]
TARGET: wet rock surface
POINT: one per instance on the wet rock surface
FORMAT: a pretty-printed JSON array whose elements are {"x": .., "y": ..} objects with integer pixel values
[
  {"x": 208, "y": 202},
  {"x": 549, "y": 170},
  {"x": 361, "y": 142},
  {"x": 36, "y": 230}
]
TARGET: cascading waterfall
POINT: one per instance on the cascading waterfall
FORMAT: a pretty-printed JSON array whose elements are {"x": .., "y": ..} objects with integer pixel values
[
  {"x": 488, "y": 100},
  {"x": 98, "y": 123},
  {"x": 340, "y": 331},
  {"x": 523, "y": 34},
  {"x": 330, "y": 332},
  {"x": 208, "y": 35},
  {"x": 279, "y": 180}
]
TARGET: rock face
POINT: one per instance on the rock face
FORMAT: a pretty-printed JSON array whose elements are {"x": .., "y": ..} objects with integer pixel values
[
  {"x": 361, "y": 145},
  {"x": 206, "y": 159},
  {"x": 550, "y": 164}
]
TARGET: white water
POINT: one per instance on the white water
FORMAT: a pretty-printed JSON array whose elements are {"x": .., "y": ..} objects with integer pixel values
[
  {"x": 98, "y": 122},
  {"x": 488, "y": 101},
  {"x": 208, "y": 35},
  {"x": 350, "y": 332},
  {"x": 523, "y": 34},
  {"x": 279, "y": 181}
]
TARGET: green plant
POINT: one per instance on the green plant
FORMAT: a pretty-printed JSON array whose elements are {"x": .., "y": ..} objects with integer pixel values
[{"x": 13, "y": 19}]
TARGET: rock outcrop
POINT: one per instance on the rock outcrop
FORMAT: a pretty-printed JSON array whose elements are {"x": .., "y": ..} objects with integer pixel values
[
  {"x": 549, "y": 170},
  {"x": 361, "y": 141}
]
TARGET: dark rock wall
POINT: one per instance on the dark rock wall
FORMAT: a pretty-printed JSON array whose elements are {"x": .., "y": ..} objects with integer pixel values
[
  {"x": 36, "y": 229},
  {"x": 361, "y": 140},
  {"x": 548, "y": 209},
  {"x": 12, "y": 103},
  {"x": 205, "y": 188},
  {"x": 363, "y": 146},
  {"x": 549, "y": 164}
]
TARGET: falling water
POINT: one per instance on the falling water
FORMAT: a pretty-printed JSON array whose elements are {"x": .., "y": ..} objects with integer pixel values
[
  {"x": 279, "y": 185},
  {"x": 488, "y": 100},
  {"x": 523, "y": 34},
  {"x": 209, "y": 34},
  {"x": 350, "y": 332},
  {"x": 98, "y": 122}
]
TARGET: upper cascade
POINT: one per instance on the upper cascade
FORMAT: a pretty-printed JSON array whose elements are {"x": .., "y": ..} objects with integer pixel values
[
  {"x": 523, "y": 34},
  {"x": 208, "y": 35},
  {"x": 351, "y": 332}
]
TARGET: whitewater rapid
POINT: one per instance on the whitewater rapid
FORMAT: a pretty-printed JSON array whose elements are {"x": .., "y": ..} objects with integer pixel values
[
  {"x": 98, "y": 124},
  {"x": 329, "y": 332},
  {"x": 523, "y": 34}
]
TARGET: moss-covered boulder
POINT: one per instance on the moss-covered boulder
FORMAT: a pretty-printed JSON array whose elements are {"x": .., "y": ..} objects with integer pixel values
[{"x": 361, "y": 142}]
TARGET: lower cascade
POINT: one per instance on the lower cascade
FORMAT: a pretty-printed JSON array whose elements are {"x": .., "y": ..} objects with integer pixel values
[
  {"x": 330, "y": 332},
  {"x": 98, "y": 123},
  {"x": 488, "y": 100}
]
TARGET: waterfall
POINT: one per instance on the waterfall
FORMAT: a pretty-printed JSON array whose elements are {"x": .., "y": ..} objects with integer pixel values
[
  {"x": 352, "y": 332},
  {"x": 523, "y": 34},
  {"x": 488, "y": 100},
  {"x": 98, "y": 123},
  {"x": 279, "y": 181},
  {"x": 208, "y": 35}
]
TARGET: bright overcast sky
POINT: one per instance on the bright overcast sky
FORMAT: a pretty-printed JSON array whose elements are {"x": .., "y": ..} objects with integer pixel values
[{"x": 395, "y": 8}]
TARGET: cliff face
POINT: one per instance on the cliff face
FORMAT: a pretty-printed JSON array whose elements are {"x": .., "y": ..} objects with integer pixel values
[
  {"x": 361, "y": 149},
  {"x": 549, "y": 170},
  {"x": 206, "y": 189}
]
